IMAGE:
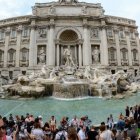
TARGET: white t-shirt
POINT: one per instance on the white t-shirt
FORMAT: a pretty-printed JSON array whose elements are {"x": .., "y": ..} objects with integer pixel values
[
  {"x": 106, "y": 135},
  {"x": 57, "y": 136},
  {"x": 82, "y": 134},
  {"x": 38, "y": 133},
  {"x": 8, "y": 138}
]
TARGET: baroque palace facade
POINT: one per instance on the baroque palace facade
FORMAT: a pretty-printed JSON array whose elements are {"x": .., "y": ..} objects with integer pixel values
[{"x": 101, "y": 41}]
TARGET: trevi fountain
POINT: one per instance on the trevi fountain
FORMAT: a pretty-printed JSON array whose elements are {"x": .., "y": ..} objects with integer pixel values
[{"x": 68, "y": 90}]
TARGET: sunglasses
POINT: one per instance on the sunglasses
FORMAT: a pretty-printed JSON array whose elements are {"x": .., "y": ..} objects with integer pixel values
[{"x": 2, "y": 127}]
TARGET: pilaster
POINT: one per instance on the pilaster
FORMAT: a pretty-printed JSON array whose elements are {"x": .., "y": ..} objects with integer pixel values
[
  {"x": 129, "y": 48},
  {"x": 138, "y": 45},
  {"x": 118, "y": 46},
  {"x": 51, "y": 45},
  {"x": 104, "y": 47},
  {"x": 19, "y": 30},
  {"x": 86, "y": 55},
  {"x": 7, "y": 37},
  {"x": 32, "y": 44}
]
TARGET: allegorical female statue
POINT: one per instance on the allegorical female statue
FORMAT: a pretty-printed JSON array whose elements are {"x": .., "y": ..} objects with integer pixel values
[
  {"x": 42, "y": 55},
  {"x": 96, "y": 55}
]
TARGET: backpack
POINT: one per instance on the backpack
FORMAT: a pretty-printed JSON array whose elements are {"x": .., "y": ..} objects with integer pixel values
[{"x": 62, "y": 137}]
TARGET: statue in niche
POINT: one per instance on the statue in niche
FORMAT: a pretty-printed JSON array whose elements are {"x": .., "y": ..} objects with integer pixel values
[
  {"x": 68, "y": 57},
  {"x": 42, "y": 56},
  {"x": 96, "y": 55},
  {"x": 42, "y": 32},
  {"x": 94, "y": 33}
]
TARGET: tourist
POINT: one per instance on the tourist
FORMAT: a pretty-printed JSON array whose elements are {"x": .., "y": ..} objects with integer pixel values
[
  {"x": 92, "y": 134},
  {"x": 110, "y": 122},
  {"x": 82, "y": 133},
  {"x": 41, "y": 121},
  {"x": 11, "y": 118},
  {"x": 47, "y": 131},
  {"x": 37, "y": 132},
  {"x": 127, "y": 112},
  {"x": 72, "y": 134},
  {"x": 125, "y": 136},
  {"x": 136, "y": 113},
  {"x": 120, "y": 124},
  {"x": 63, "y": 122},
  {"x": 131, "y": 115},
  {"x": 53, "y": 124},
  {"x": 61, "y": 134},
  {"x": 3, "y": 135},
  {"x": 75, "y": 122},
  {"x": 105, "y": 134}
]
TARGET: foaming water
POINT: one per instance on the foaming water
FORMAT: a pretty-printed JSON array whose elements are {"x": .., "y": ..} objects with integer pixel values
[{"x": 75, "y": 99}]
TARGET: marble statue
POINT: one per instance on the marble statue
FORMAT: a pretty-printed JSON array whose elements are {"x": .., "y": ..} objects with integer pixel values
[
  {"x": 42, "y": 56},
  {"x": 68, "y": 56},
  {"x": 87, "y": 73},
  {"x": 95, "y": 55}
]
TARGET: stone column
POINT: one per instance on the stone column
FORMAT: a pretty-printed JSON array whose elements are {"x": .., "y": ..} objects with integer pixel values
[
  {"x": 104, "y": 47},
  {"x": 58, "y": 55},
  {"x": 7, "y": 37},
  {"x": 18, "y": 46},
  {"x": 118, "y": 47},
  {"x": 80, "y": 55},
  {"x": 86, "y": 55},
  {"x": 32, "y": 44},
  {"x": 129, "y": 48},
  {"x": 138, "y": 46},
  {"x": 51, "y": 45}
]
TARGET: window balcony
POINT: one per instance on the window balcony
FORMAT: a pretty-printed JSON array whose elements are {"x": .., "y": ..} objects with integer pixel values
[
  {"x": 124, "y": 62},
  {"x": 113, "y": 62},
  {"x": 24, "y": 63},
  {"x": 1, "y": 64},
  {"x": 135, "y": 63},
  {"x": 11, "y": 63}
]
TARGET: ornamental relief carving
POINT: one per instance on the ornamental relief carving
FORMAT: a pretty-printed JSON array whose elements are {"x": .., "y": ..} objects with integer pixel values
[
  {"x": 42, "y": 33},
  {"x": 94, "y": 33}
]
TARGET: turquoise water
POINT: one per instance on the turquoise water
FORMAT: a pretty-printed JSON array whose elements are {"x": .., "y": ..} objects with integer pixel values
[{"x": 97, "y": 109}]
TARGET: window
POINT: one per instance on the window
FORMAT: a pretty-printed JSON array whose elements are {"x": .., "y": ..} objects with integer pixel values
[
  {"x": 1, "y": 55},
  {"x": 134, "y": 55},
  {"x": 124, "y": 55},
  {"x": 132, "y": 35},
  {"x": 13, "y": 33},
  {"x": 25, "y": 32},
  {"x": 24, "y": 55},
  {"x": 109, "y": 33},
  {"x": 121, "y": 34},
  {"x": 2, "y": 34},
  {"x": 11, "y": 55},
  {"x": 112, "y": 54}
]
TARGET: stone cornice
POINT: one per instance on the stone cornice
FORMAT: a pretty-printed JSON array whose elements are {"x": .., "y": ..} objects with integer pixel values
[{"x": 15, "y": 21}]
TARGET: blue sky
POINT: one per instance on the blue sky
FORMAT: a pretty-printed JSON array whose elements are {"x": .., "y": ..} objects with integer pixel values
[{"x": 122, "y": 8}]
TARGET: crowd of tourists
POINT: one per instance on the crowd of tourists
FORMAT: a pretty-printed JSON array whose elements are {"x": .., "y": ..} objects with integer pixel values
[{"x": 29, "y": 127}]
